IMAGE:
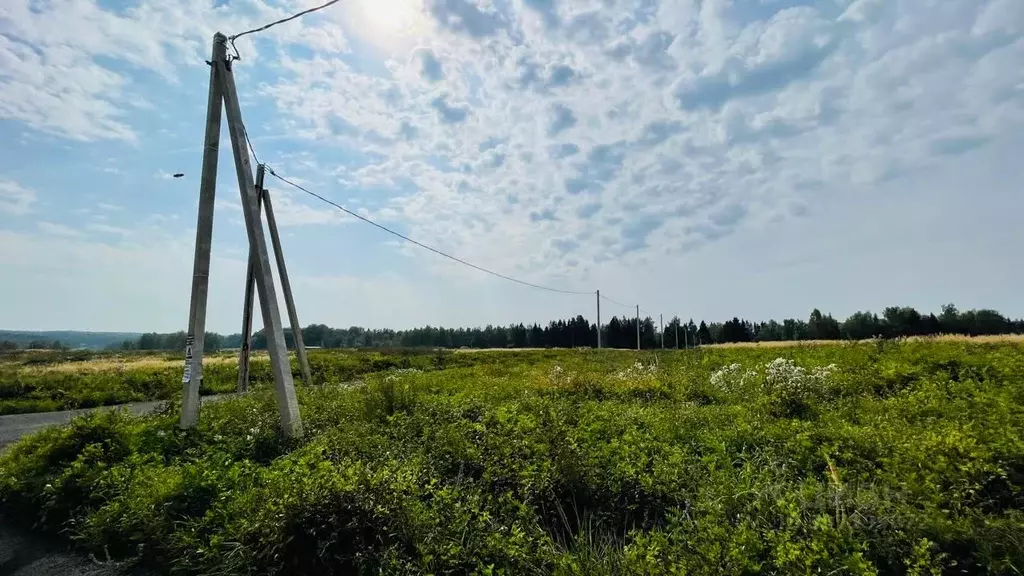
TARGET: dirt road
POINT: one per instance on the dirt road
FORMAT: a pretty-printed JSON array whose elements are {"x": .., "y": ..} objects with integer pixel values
[
  {"x": 15, "y": 426},
  {"x": 25, "y": 555}
]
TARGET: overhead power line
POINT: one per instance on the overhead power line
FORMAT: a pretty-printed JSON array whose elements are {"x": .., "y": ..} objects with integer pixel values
[
  {"x": 276, "y": 22},
  {"x": 603, "y": 297},
  {"x": 422, "y": 245},
  {"x": 249, "y": 142}
]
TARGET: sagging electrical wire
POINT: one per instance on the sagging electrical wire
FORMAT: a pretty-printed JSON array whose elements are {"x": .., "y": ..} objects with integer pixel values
[
  {"x": 420, "y": 244},
  {"x": 603, "y": 297}
]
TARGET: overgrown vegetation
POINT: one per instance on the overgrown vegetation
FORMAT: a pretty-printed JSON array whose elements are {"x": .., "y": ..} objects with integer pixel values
[
  {"x": 886, "y": 458},
  {"x": 39, "y": 381}
]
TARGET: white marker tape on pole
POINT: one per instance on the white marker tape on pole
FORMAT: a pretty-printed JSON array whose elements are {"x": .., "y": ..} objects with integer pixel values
[{"x": 187, "y": 377}]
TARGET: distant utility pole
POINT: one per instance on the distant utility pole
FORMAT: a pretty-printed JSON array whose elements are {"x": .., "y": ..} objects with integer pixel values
[
  {"x": 661, "y": 321},
  {"x": 677, "y": 334},
  {"x": 638, "y": 327},
  {"x": 686, "y": 338},
  {"x": 598, "y": 319},
  {"x": 223, "y": 92}
]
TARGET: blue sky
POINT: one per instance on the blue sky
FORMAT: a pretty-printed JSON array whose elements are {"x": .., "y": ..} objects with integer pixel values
[{"x": 706, "y": 158}]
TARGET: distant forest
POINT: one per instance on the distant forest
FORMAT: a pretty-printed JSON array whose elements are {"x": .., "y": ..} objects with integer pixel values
[
  {"x": 619, "y": 332},
  {"x": 63, "y": 339}
]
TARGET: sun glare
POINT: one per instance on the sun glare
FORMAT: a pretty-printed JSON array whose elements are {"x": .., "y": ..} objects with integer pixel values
[{"x": 388, "y": 24}]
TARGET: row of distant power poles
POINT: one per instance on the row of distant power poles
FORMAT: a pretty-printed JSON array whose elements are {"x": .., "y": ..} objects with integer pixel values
[{"x": 661, "y": 319}]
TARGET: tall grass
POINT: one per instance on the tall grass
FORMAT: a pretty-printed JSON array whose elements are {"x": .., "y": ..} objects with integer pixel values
[{"x": 44, "y": 381}]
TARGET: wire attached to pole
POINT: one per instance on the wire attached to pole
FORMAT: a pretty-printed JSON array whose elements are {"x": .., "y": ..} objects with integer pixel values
[
  {"x": 275, "y": 23},
  {"x": 603, "y": 297},
  {"x": 424, "y": 246},
  {"x": 402, "y": 236},
  {"x": 255, "y": 158}
]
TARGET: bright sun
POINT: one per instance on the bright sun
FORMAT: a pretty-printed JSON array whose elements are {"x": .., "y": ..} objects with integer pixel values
[{"x": 388, "y": 24}]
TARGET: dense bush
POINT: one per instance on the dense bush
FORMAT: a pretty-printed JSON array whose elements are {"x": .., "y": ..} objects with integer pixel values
[{"x": 896, "y": 458}]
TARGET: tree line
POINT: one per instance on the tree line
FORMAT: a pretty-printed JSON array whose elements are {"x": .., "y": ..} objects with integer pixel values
[
  {"x": 6, "y": 345},
  {"x": 60, "y": 339},
  {"x": 621, "y": 332}
]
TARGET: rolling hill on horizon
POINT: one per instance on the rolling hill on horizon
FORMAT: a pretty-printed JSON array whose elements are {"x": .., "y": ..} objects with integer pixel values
[{"x": 70, "y": 338}]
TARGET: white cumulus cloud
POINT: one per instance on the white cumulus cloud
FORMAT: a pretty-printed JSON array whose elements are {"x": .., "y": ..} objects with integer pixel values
[{"x": 15, "y": 199}]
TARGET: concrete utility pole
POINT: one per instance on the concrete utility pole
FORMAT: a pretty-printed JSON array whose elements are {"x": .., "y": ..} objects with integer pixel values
[
  {"x": 598, "y": 319},
  {"x": 293, "y": 316},
  {"x": 686, "y": 337},
  {"x": 280, "y": 365},
  {"x": 192, "y": 379},
  {"x": 286, "y": 286},
  {"x": 250, "y": 288},
  {"x": 661, "y": 321},
  {"x": 223, "y": 92},
  {"x": 638, "y": 327},
  {"x": 677, "y": 334}
]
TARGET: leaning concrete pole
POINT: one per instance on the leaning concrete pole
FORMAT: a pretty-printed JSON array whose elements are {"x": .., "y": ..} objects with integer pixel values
[
  {"x": 287, "y": 403},
  {"x": 286, "y": 286},
  {"x": 192, "y": 380},
  {"x": 250, "y": 288}
]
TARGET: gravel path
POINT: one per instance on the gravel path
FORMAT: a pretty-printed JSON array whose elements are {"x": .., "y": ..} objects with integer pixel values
[
  {"x": 14, "y": 426},
  {"x": 22, "y": 555}
]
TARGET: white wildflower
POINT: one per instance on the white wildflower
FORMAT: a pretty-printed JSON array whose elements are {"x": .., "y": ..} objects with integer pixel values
[
  {"x": 786, "y": 377},
  {"x": 731, "y": 377},
  {"x": 636, "y": 371},
  {"x": 395, "y": 373},
  {"x": 722, "y": 376},
  {"x": 557, "y": 375},
  {"x": 823, "y": 373},
  {"x": 401, "y": 371}
]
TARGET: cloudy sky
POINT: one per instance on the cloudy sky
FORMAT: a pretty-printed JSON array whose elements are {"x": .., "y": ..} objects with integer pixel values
[{"x": 706, "y": 158}]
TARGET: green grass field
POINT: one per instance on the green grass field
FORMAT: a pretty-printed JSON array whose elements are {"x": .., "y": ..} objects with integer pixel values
[
  {"x": 42, "y": 381},
  {"x": 883, "y": 458}
]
